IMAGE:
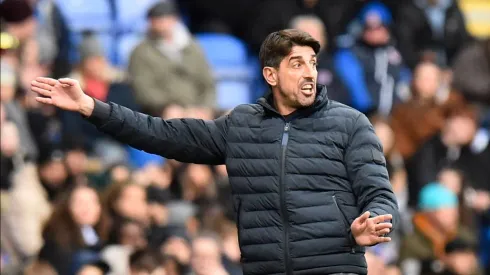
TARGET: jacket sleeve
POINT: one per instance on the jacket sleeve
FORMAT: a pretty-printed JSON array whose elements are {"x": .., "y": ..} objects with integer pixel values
[
  {"x": 185, "y": 140},
  {"x": 366, "y": 167}
]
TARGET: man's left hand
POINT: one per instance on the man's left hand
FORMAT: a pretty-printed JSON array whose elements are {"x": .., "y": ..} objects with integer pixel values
[{"x": 370, "y": 231}]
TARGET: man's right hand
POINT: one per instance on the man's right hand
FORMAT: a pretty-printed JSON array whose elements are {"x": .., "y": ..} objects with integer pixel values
[{"x": 64, "y": 93}]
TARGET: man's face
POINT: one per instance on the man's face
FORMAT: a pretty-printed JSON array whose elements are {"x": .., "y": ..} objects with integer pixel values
[
  {"x": 163, "y": 26},
  {"x": 295, "y": 80}
]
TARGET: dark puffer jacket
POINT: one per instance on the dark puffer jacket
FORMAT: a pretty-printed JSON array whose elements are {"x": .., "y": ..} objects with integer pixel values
[{"x": 297, "y": 182}]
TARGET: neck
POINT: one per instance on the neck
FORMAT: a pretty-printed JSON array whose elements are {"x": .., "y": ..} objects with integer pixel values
[{"x": 283, "y": 109}]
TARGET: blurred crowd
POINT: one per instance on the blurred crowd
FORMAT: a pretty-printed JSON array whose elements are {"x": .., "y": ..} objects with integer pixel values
[{"x": 76, "y": 202}]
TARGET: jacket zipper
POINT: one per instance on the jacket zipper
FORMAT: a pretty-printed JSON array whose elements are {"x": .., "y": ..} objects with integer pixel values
[
  {"x": 285, "y": 220},
  {"x": 346, "y": 223}
]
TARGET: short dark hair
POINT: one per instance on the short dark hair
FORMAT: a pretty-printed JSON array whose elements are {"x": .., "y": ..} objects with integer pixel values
[{"x": 278, "y": 45}]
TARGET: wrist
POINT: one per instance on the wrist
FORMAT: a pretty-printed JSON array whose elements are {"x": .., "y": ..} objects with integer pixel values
[{"x": 86, "y": 106}]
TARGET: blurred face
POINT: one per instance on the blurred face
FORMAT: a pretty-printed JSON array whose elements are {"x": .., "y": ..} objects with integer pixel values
[
  {"x": 120, "y": 173},
  {"x": 90, "y": 270},
  {"x": 76, "y": 161},
  {"x": 23, "y": 30},
  {"x": 200, "y": 175},
  {"x": 205, "y": 255},
  {"x": 375, "y": 33},
  {"x": 294, "y": 83},
  {"x": 447, "y": 217},
  {"x": 452, "y": 180},
  {"x": 178, "y": 248},
  {"x": 427, "y": 80},
  {"x": 54, "y": 173},
  {"x": 313, "y": 29},
  {"x": 85, "y": 206},
  {"x": 163, "y": 26},
  {"x": 386, "y": 136},
  {"x": 7, "y": 92},
  {"x": 9, "y": 142},
  {"x": 459, "y": 130},
  {"x": 132, "y": 203},
  {"x": 94, "y": 67},
  {"x": 462, "y": 263},
  {"x": 173, "y": 111},
  {"x": 133, "y": 235}
]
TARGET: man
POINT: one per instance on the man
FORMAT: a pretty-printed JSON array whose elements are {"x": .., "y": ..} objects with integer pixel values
[
  {"x": 308, "y": 176},
  {"x": 169, "y": 67},
  {"x": 206, "y": 256}
]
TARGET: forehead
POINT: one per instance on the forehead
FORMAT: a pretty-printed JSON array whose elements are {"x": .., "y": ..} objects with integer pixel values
[{"x": 304, "y": 52}]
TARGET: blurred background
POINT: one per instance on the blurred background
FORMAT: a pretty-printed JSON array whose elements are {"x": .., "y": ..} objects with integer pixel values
[{"x": 74, "y": 201}]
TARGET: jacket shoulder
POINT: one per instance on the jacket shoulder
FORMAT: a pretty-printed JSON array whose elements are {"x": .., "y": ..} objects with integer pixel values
[{"x": 334, "y": 108}]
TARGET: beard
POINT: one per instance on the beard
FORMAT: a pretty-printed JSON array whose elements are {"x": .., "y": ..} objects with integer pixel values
[{"x": 296, "y": 99}]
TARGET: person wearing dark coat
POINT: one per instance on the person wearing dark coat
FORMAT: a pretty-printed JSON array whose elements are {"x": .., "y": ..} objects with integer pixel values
[
  {"x": 309, "y": 182},
  {"x": 435, "y": 26}
]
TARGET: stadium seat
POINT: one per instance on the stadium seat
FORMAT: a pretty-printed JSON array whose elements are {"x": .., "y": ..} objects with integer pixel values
[
  {"x": 83, "y": 15},
  {"x": 125, "y": 45},
  {"x": 228, "y": 58},
  {"x": 131, "y": 17}
]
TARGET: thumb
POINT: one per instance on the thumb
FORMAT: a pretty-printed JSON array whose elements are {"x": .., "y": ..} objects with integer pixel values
[
  {"x": 68, "y": 81},
  {"x": 364, "y": 217}
]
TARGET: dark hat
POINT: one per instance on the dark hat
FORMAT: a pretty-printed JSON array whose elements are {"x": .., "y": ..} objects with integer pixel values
[
  {"x": 90, "y": 46},
  {"x": 161, "y": 9},
  {"x": 49, "y": 154},
  {"x": 15, "y": 11}
]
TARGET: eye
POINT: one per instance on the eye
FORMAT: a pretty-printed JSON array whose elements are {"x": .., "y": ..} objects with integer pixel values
[{"x": 296, "y": 65}]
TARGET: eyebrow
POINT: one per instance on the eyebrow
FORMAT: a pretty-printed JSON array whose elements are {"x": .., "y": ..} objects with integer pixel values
[{"x": 300, "y": 57}]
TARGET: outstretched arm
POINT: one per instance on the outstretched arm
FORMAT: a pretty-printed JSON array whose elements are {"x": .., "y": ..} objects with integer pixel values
[{"x": 186, "y": 140}]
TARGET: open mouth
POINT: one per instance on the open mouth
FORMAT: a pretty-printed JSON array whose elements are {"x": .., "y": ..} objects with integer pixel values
[{"x": 308, "y": 89}]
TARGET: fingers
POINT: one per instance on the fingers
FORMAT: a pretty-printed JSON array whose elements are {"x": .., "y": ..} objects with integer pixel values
[
  {"x": 45, "y": 100},
  {"x": 68, "y": 81},
  {"x": 382, "y": 218},
  {"x": 46, "y": 80},
  {"x": 42, "y": 92},
  {"x": 384, "y": 225},
  {"x": 363, "y": 218},
  {"x": 383, "y": 232},
  {"x": 41, "y": 85},
  {"x": 383, "y": 239}
]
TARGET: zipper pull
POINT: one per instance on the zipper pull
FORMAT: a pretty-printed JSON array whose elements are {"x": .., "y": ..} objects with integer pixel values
[{"x": 286, "y": 127}]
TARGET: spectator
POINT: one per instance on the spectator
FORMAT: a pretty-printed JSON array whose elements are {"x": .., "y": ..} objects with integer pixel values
[
  {"x": 425, "y": 113},
  {"x": 78, "y": 223},
  {"x": 178, "y": 246},
  {"x": 29, "y": 210},
  {"x": 457, "y": 145},
  {"x": 146, "y": 262},
  {"x": 325, "y": 67},
  {"x": 372, "y": 70},
  {"x": 206, "y": 256},
  {"x": 128, "y": 236},
  {"x": 472, "y": 72},
  {"x": 53, "y": 173},
  {"x": 435, "y": 225},
  {"x": 127, "y": 200},
  {"x": 40, "y": 268},
  {"x": 15, "y": 110},
  {"x": 19, "y": 19},
  {"x": 436, "y": 26},
  {"x": 168, "y": 66},
  {"x": 460, "y": 258},
  {"x": 94, "y": 268}
]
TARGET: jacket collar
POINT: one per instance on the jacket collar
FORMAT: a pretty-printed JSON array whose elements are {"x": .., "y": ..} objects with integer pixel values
[{"x": 321, "y": 99}]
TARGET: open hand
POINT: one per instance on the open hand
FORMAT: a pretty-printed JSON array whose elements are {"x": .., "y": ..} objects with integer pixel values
[
  {"x": 64, "y": 93},
  {"x": 370, "y": 231}
]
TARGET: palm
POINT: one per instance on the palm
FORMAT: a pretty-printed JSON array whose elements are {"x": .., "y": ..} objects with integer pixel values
[
  {"x": 370, "y": 231},
  {"x": 65, "y": 94}
]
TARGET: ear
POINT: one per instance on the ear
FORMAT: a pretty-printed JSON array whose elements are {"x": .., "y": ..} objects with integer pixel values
[{"x": 270, "y": 75}]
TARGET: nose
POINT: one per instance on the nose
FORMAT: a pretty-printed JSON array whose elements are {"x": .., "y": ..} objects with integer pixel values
[{"x": 309, "y": 71}]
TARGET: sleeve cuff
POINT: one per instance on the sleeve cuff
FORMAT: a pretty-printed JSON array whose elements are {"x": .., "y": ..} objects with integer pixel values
[{"x": 101, "y": 113}]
